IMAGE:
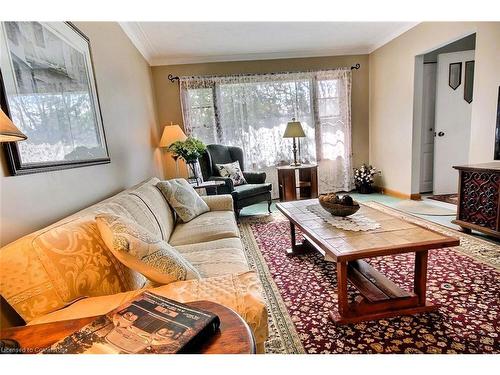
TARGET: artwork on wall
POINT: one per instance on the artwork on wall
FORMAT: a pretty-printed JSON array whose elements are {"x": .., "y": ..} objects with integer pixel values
[
  {"x": 49, "y": 91},
  {"x": 455, "y": 75},
  {"x": 469, "y": 81},
  {"x": 497, "y": 131}
]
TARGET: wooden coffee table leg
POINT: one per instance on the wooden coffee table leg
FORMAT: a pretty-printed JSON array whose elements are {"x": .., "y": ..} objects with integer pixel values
[
  {"x": 343, "y": 304},
  {"x": 420, "y": 280},
  {"x": 297, "y": 248}
]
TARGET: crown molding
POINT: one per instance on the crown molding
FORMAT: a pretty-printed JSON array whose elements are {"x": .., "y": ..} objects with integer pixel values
[
  {"x": 393, "y": 36},
  {"x": 182, "y": 60},
  {"x": 139, "y": 39}
]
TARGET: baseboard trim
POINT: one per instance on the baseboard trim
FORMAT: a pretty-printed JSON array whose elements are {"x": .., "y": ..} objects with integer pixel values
[{"x": 398, "y": 194}]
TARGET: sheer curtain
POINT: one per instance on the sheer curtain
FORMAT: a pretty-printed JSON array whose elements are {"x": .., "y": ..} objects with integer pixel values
[{"x": 251, "y": 111}]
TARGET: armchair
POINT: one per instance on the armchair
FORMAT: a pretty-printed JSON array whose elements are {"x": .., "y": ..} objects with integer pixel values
[{"x": 254, "y": 191}]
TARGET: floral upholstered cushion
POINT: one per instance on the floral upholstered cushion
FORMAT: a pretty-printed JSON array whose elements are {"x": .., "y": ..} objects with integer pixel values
[
  {"x": 183, "y": 198},
  {"x": 142, "y": 251},
  {"x": 233, "y": 171}
]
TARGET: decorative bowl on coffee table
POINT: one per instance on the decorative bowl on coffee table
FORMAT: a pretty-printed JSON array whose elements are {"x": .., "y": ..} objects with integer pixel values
[{"x": 331, "y": 203}]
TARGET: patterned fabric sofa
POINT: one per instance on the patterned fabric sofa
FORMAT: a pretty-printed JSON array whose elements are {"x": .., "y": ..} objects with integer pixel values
[{"x": 65, "y": 271}]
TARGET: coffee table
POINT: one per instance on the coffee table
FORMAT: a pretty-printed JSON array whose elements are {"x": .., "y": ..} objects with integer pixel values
[
  {"x": 234, "y": 335},
  {"x": 379, "y": 297}
]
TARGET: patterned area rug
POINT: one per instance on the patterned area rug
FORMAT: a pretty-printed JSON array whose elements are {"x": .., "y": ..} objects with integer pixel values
[
  {"x": 448, "y": 198},
  {"x": 300, "y": 292}
]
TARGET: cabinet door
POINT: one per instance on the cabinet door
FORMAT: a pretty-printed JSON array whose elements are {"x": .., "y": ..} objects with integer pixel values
[
  {"x": 479, "y": 198},
  {"x": 286, "y": 181}
]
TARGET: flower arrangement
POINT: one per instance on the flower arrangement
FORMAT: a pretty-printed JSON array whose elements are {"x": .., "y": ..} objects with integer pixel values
[
  {"x": 190, "y": 150},
  {"x": 363, "y": 177}
]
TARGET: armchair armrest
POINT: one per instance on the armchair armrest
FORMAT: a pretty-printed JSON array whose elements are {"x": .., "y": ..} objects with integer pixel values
[
  {"x": 255, "y": 177},
  {"x": 222, "y": 202}
]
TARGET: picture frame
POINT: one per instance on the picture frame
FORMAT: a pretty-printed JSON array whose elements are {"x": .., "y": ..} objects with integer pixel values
[
  {"x": 497, "y": 130},
  {"x": 469, "y": 81},
  {"x": 48, "y": 89},
  {"x": 455, "y": 75}
]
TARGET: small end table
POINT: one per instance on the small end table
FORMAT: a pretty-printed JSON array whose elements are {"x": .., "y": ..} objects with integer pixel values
[
  {"x": 291, "y": 188},
  {"x": 234, "y": 335},
  {"x": 211, "y": 187}
]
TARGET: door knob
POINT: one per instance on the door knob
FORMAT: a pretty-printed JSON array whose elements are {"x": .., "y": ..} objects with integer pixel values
[{"x": 440, "y": 134}]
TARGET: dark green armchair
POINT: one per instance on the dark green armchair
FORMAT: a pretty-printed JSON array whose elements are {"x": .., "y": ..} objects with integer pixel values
[{"x": 256, "y": 189}]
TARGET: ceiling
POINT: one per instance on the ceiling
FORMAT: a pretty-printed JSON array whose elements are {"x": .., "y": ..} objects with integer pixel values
[{"x": 169, "y": 43}]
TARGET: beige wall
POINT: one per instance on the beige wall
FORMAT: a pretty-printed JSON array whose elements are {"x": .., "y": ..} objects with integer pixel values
[
  {"x": 168, "y": 102},
  {"x": 125, "y": 91},
  {"x": 391, "y": 96}
]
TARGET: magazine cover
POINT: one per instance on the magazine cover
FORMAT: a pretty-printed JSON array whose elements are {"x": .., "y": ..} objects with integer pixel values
[{"x": 147, "y": 324}]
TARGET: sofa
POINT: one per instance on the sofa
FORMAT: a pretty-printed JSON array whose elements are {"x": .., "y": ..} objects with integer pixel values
[{"x": 65, "y": 271}]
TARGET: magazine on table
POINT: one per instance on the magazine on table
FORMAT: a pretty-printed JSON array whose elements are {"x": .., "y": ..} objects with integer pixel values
[{"x": 148, "y": 324}]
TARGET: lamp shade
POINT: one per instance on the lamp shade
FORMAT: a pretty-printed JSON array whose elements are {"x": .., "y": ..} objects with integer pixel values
[
  {"x": 294, "y": 130},
  {"x": 171, "y": 134},
  {"x": 8, "y": 131}
]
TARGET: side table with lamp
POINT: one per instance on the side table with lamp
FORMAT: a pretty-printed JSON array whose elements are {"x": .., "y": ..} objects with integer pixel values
[{"x": 297, "y": 181}]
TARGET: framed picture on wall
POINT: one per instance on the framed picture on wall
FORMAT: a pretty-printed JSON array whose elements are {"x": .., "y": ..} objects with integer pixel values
[{"x": 48, "y": 89}]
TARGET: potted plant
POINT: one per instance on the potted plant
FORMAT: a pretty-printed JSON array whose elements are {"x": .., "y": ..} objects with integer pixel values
[
  {"x": 190, "y": 151},
  {"x": 363, "y": 178}
]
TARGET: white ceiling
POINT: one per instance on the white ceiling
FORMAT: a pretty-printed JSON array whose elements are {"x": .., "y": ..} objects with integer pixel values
[{"x": 168, "y": 43}]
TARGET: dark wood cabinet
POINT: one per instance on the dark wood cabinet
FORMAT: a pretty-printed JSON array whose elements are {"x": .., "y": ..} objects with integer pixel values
[
  {"x": 298, "y": 182},
  {"x": 479, "y": 198}
]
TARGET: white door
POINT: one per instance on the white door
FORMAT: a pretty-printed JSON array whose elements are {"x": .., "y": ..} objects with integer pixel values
[
  {"x": 452, "y": 124},
  {"x": 428, "y": 111}
]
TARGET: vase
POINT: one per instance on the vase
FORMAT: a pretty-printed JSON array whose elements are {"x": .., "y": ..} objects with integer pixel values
[
  {"x": 194, "y": 172},
  {"x": 364, "y": 189}
]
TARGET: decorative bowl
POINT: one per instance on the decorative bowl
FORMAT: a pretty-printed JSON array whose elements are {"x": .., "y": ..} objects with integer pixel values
[{"x": 331, "y": 203}]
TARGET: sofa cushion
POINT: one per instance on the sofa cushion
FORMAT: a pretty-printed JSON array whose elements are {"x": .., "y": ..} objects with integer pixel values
[
  {"x": 209, "y": 226},
  {"x": 134, "y": 208},
  {"x": 241, "y": 292},
  {"x": 216, "y": 258},
  {"x": 249, "y": 190},
  {"x": 49, "y": 269},
  {"x": 142, "y": 251},
  {"x": 224, "y": 243},
  {"x": 183, "y": 198},
  {"x": 159, "y": 207}
]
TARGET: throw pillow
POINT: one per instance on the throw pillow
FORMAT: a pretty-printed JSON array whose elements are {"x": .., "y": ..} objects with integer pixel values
[
  {"x": 183, "y": 198},
  {"x": 233, "y": 171},
  {"x": 142, "y": 251}
]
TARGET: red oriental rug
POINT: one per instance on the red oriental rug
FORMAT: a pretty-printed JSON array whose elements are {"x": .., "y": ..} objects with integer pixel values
[{"x": 464, "y": 281}]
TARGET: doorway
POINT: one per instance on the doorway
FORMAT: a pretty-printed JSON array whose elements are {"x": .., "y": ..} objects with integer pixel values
[{"x": 442, "y": 115}]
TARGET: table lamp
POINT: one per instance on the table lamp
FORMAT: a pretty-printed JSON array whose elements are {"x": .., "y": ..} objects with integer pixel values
[
  {"x": 172, "y": 133},
  {"x": 8, "y": 131},
  {"x": 294, "y": 130}
]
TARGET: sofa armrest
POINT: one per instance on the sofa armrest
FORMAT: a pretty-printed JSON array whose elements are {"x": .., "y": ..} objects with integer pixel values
[
  {"x": 222, "y": 202},
  {"x": 255, "y": 177},
  {"x": 241, "y": 292}
]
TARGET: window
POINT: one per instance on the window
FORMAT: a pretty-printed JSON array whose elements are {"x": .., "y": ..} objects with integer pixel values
[
  {"x": 201, "y": 103},
  {"x": 251, "y": 111}
]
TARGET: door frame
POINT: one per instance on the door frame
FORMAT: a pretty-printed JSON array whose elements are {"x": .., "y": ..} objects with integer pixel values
[{"x": 417, "y": 113}]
